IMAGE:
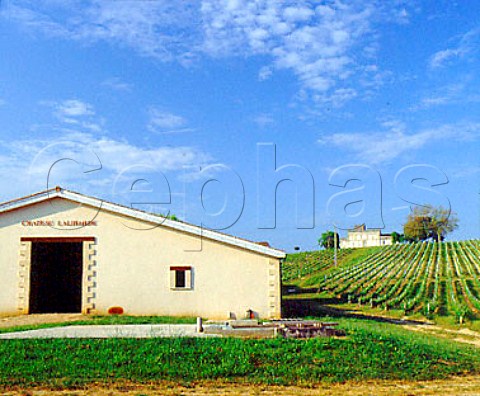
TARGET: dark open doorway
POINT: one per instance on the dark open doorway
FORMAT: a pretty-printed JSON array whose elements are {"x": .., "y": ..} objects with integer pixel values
[{"x": 56, "y": 277}]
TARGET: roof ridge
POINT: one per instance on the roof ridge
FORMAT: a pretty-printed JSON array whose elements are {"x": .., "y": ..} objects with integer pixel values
[
  {"x": 166, "y": 218},
  {"x": 116, "y": 207},
  {"x": 5, "y": 203}
]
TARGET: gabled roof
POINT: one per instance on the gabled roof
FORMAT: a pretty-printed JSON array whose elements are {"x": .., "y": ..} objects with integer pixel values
[{"x": 59, "y": 192}]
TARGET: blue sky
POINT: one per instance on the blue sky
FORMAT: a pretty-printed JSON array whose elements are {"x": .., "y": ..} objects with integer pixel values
[{"x": 369, "y": 106}]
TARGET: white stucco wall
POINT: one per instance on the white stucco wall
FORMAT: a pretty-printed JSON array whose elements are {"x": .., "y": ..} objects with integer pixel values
[{"x": 133, "y": 261}]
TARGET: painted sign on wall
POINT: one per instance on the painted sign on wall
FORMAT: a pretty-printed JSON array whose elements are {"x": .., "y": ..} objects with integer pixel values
[{"x": 59, "y": 223}]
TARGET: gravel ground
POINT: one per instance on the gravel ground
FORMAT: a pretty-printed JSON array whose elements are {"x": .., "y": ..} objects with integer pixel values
[
  {"x": 36, "y": 319},
  {"x": 452, "y": 387},
  {"x": 110, "y": 331}
]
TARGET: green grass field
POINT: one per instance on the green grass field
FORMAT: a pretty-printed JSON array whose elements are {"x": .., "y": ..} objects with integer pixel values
[
  {"x": 370, "y": 351},
  {"x": 444, "y": 276}
]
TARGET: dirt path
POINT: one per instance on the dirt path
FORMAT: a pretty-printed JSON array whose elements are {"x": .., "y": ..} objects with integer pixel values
[
  {"x": 31, "y": 320},
  {"x": 465, "y": 335},
  {"x": 454, "y": 386}
]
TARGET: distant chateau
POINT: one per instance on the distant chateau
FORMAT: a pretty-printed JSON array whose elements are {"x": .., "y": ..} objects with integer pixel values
[{"x": 361, "y": 237}]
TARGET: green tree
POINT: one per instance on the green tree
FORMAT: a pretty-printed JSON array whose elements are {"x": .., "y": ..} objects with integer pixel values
[
  {"x": 167, "y": 216},
  {"x": 327, "y": 240},
  {"x": 397, "y": 238},
  {"x": 429, "y": 222}
]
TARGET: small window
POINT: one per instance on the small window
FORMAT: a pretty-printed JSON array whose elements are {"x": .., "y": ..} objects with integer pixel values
[{"x": 180, "y": 277}]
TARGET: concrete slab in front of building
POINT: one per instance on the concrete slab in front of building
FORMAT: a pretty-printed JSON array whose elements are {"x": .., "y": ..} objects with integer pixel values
[{"x": 109, "y": 331}]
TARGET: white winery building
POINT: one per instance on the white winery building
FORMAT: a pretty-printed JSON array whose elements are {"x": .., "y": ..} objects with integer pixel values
[
  {"x": 361, "y": 237},
  {"x": 67, "y": 252}
]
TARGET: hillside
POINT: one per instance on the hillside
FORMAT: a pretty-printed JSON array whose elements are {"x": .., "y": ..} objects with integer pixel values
[{"x": 426, "y": 278}]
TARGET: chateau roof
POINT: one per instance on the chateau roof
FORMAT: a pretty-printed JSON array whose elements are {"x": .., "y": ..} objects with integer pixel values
[{"x": 188, "y": 228}]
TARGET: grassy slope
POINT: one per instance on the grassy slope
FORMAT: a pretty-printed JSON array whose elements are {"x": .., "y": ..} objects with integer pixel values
[{"x": 370, "y": 351}]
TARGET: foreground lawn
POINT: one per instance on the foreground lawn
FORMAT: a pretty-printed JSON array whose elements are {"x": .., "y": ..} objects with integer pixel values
[{"x": 370, "y": 351}]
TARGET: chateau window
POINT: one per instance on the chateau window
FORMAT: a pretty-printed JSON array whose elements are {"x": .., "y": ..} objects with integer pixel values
[{"x": 180, "y": 277}]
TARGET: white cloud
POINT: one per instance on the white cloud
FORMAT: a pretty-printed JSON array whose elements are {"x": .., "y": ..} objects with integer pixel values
[
  {"x": 466, "y": 171},
  {"x": 441, "y": 57},
  {"x": 74, "y": 108},
  {"x": 164, "y": 121},
  {"x": 434, "y": 101},
  {"x": 384, "y": 146},
  {"x": 116, "y": 155},
  {"x": 315, "y": 43},
  {"x": 265, "y": 73},
  {"x": 458, "y": 93},
  {"x": 75, "y": 151},
  {"x": 467, "y": 44},
  {"x": 321, "y": 44},
  {"x": 263, "y": 120},
  {"x": 78, "y": 157},
  {"x": 117, "y": 84},
  {"x": 76, "y": 113},
  {"x": 296, "y": 14},
  {"x": 337, "y": 97},
  {"x": 152, "y": 28}
]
